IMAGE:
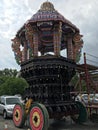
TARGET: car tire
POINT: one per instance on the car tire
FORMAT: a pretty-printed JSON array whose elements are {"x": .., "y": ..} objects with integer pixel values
[{"x": 5, "y": 115}]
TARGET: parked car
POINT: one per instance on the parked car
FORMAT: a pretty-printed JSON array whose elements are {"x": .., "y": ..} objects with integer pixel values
[
  {"x": 19, "y": 96},
  {"x": 7, "y": 104},
  {"x": 82, "y": 98},
  {"x": 95, "y": 99},
  {"x": 85, "y": 98}
]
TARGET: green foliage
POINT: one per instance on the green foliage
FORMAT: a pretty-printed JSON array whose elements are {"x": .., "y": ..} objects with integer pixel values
[
  {"x": 13, "y": 86},
  {"x": 83, "y": 83},
  {"x": 75, "y": 82},
  {"x": 8, "y": 72},
  {"x": 75, "y": 79},
  {"x": 17, "y": 58},
  {"x": 9, "y": 84},
  {"x": 78, "y": 56},
  {"x": 3, "y": 79}
]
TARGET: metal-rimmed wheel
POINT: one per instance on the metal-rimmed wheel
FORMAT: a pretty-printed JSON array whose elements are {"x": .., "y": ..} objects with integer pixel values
[
  {"x": 38, "y": 118},
  {"x": 19, "y": 115},
  {"x": 82, "y": 116}
]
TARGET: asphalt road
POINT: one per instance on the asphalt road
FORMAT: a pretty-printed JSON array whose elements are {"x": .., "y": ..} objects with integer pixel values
[{"x": 54, "y": 125}]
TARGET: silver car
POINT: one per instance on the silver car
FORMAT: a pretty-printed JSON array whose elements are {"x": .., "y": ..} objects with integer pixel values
[
  {"x": 7, "y": 104},
  {"x": 85, "y": 98}
]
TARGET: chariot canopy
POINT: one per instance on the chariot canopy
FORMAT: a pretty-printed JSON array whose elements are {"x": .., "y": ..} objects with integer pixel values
[{"x": 47, "y": 31}]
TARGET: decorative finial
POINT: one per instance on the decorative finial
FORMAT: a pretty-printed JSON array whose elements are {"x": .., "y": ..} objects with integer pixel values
[{"x": 47, "y": 6}]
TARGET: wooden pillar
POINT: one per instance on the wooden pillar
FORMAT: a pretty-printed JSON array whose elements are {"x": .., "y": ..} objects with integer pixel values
[
  {"x": 78, "y": 43},
  {"x": 25, "y": 50},
  {"x": 16, "y": 48},
  {"x": 69, "y": 47},
  {"x": 57, "y": 38},
  {"x": 35, "y": 41},
  {"x": 74, "y": 52},
  {"x": 29, "y": 39}
]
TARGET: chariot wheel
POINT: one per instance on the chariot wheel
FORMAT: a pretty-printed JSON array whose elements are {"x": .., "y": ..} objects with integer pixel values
[
  {"x": 38, "y": 117},
  {"x": 19, "y": 115},
  {"x": 82, "y": 116}
]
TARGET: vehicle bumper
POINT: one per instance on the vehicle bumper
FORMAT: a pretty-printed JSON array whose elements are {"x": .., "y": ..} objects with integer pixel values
[{"x": 9, "y": 113}]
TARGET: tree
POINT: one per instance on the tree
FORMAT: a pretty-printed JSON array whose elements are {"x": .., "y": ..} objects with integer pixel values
[
  {"x": 8, "y": 72},
  {"x": 13, "y": 86},
  {"x": 3, "y": 79},
  {"x": 76, "y": 83}
]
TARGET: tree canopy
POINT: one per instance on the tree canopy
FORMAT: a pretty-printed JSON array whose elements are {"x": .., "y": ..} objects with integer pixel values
[
  {"x": 13, "y": 86},
  {"x": 10, "y": 84},
  {"x": 8, "y": 72}
]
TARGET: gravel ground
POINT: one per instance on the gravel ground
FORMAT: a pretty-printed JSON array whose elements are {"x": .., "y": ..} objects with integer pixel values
[
  {"x": 9, "y": 123},
  {"x": 54, "y": 125}
]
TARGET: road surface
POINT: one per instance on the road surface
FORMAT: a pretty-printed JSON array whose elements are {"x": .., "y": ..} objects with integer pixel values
[{"x": 54, "y": 125}]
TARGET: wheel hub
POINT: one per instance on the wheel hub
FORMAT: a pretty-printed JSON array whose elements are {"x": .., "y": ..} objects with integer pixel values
[{"x": 36, "y": 119}]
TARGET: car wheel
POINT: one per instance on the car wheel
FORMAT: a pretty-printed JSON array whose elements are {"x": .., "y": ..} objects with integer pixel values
[{"x": 4, "y": 114}]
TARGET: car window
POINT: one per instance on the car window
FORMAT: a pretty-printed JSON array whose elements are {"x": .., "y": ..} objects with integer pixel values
[
  {"x": 96, "y": 96},
  {"x": 10, "y": 101},
  {"x": 85, "y": 97}
]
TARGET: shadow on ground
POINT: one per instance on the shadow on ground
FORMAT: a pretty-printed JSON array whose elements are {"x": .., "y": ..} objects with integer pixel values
[
  {"x": 68, "y": 124},
  {"x": 60, "y": 124}
]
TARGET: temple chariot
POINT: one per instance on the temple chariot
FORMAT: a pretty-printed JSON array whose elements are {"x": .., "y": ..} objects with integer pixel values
[{"x": 38, "y": 46}]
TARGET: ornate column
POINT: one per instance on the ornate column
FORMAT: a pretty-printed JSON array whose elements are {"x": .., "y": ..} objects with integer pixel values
[
  {"x": 69, "y": 47},
  {"x": 29, "y": 38},
  {"x": 35, "y": 41},
  {"x": 57, "y": 38},
  {"x": 25, "y": 50},
  {"x": 16, "y": 48},
  {"x": 74, "y": 52},
  {"x": 78, "y": 43}
]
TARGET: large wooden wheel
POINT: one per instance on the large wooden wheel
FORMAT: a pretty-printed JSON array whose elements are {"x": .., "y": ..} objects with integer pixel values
[
  {"x": 19, "y": 115},
  {"x": 82, "y": 116},
  {"x": 38, "y": 118}
]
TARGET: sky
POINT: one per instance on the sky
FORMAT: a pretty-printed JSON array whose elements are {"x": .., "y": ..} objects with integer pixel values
[{"x": 14, "y": 13}]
